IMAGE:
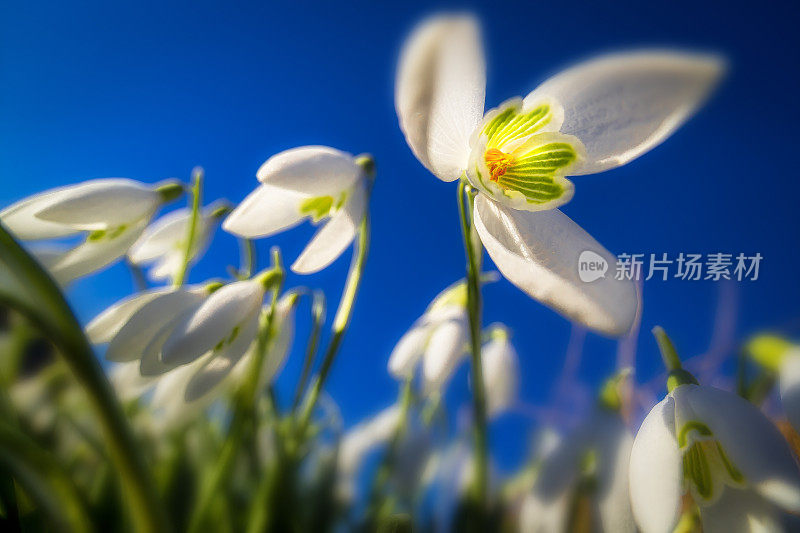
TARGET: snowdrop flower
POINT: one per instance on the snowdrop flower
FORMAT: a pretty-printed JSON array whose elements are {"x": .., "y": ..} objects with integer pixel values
[
  {"x": 311, "y": 182},
  {"x": 163, "y": 244},
  {"x": 112, "y": 213},
  {"x": 780, "y": 356},
  {"x": 191, "y": 388},
  {"x": 584, "y": 478},
  {"x": 360, "y": 441},
  {"x": 439, "y": 337},
  {"x": 593, "y": 117},
  {"x": 500, "y": 371},
  {"x": 721, "y": 451}
]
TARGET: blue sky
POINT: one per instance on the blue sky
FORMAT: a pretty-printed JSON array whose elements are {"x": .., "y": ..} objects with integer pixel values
[{"x": 149, "y": 89}]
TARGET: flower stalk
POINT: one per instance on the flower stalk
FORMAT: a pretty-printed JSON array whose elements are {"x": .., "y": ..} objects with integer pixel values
[
  {"x": 197, "y": 192},
  {"x": 473, "y": 249}
]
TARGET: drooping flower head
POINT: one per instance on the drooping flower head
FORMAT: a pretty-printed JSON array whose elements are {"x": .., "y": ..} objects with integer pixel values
[
  {"x": 112, "y": 213},
  {"x": 308, "y": 183}
]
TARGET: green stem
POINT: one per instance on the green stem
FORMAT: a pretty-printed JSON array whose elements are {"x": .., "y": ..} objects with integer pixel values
[
  {"x": 677, "y": 375},
  {"x": 481, "y": 455},
  {"x": 249, "y": 258},
  {"x": 197, "y": 192},
  {"x": 340, "y": 323},
  {"x": 37, "y": 297},
  {"x": 318, "y": 319}
]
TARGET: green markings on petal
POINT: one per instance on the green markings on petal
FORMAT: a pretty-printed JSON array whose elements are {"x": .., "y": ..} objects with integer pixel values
[
  {"x": 455, "y": 295},
  {"x": 706, "y": 466},
  {"x": 511, "y": 125},
  {"x": 523, "y": 159},
  {"x": 106, "y": 234},
  {"x": 317, "y": 208},
  {"x": 320, "y": 207}
]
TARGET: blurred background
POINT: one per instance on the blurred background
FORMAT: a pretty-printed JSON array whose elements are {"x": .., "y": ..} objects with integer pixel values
[{"x": 147, "y": 90}]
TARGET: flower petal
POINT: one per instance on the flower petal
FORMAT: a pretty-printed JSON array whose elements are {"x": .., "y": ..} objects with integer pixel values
[
  {"x": 408, "y": 351},
  {"x": 444, "y": 352},
  {"x": 128, "y": 383},
  {"x": 790, "y": 387},
  {"x": 539, "y": 251},
  {"x": 107, "y": 324},
  {"x": 656, "y": 471},
  {"x": 311, "y": 170},
  {"x": 213, "y": 322},
  {"x": 613, "y": 442},
  {"x": 276, "y": 357},
  {"x": 168, "y": 234},
  {"x": 130, "y": 342},
  {"x": 94, "y": 254},
  {"x": 219, "y": 366},
  {"x": 335, "y": 236},
  {"x": 500, "y": 374},
  {"x": 20, "y": 219},
  {"x": 751, "y": 441},
  {"x": 440, "y": 90},
  {"x": 102, "y": 204},
  {"x": 266, "y": 211},
  {"x": 622, "y": 105},
  {"x": 741, "y": 511}
]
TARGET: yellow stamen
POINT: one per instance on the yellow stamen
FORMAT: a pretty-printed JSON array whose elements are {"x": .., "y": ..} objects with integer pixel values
[{"x": 498, "y": 162}]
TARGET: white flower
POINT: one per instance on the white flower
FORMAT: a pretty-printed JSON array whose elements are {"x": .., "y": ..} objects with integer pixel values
[
  {"x": 360, "y": 441},
  {"x": 721, "y": 451},
  {"x": 780, "y": 356},
  {"x": 192, "y": 387},
  {"x": 163, "y": 244},
  {"x": 439, "y": 337},
  {"x": 592, "y": 117},
  {"x": 500, "y": 371},
  {"x": 591, "y": 463},
  {"x": 112, "y": 213},
  {"x": 311, "y": 182}
]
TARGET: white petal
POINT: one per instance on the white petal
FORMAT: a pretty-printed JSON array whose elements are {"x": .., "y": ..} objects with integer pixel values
[
  {"x": 500, "y": 375},
  {"x": 359, "y": 440},
  {"x": 440, "y": 90},
  {"x": 555, "y": 485},
  {"x": 212, "y": 322},
  {"x": 311, "y": 170},
  {"x": 613, "y": 442},
  {"x": 741, "y": 511},
  {"x": 444, "y": 351},
  {"x": 285, "y": 321},
  {"x": 132, "y": 339},
  {"x": 166, "y": 268},
  {"x": 102, "y": 204},
  {"x": 751, "y": 441},
  {"x": 790, "y": 388},
  {"x": 107, "y": 324},
  {"x": 128, "y": 383},
  {"x": 220, "y": 365},
  {"x": 408, "y": 351},
  {"x": 335, "y": 236},
  {"x": 656, "y": 471},
  {"x": 20, "y": 219},
  {"x": 540, "y": 516},
  {"x": 538, "y": 252},
  {"x": 165, "y": 235},
  {"x": 94, "y": 254},
  {"x": 622, "y": 105},
  {"x": 266, "y": 211}
]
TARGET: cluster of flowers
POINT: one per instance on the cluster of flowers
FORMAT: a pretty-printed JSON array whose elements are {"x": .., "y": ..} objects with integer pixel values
[{"x": 701, "y": 454}]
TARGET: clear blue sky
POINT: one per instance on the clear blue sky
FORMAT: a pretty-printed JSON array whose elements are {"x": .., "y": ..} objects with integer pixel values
[{"x": 149, "y": 89}]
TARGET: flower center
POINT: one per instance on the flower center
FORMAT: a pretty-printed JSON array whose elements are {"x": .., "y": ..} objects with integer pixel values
[{"x": 498, "y": 162}]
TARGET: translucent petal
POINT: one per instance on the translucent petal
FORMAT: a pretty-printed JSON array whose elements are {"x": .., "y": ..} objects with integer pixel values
[
  {"x": 539, "y": 252},
  {"x": 266, "y": 211},
  {"x": 101, "y": 204},
  {"x": 408, "y": 351},
  {"x": 130, "y": 342},
  {"x": 741, "y": 511},
  {"x": 656, "y": 475},
  {"x": 335, "y": 236},
  {"x": 20, "y": 219},
  {"x": 443, "y": 353},
  {"x": 213, "y": 321},
  {"x": 311, "y": 170},
  {"x": 751, "y": 441},
  {"x": 107, "y": 324},
  {"x": 790, "y": 388},
  {"x": 440, "y": 90},
  {"x": 622, "y": 105},
  {"x": 500, "y": 374}
]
